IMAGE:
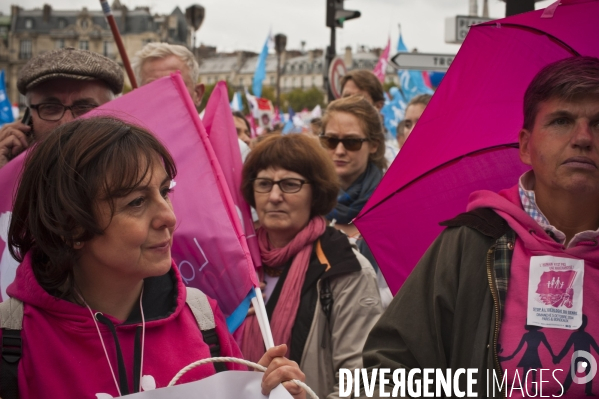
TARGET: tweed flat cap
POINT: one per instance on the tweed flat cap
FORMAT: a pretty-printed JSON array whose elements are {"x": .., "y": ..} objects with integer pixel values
[{"x": 72, "y": 64}]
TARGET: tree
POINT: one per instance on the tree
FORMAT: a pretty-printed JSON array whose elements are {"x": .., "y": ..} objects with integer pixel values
[
  {"x": 388, "y": 85},
  {"x": 299, "y": 99}
]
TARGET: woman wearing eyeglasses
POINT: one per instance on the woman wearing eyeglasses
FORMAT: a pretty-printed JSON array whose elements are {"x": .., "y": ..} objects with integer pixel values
[{"x": 321, "y": 295}]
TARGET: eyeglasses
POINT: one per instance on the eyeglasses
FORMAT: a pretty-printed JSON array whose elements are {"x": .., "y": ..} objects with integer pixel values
[
  {"x": 352, "y": 144},
  {"x": 53, "y": 112},
  {"x": 289, "y": 186}
]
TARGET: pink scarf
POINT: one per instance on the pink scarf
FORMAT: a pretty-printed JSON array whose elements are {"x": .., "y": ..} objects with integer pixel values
[{"x": 285, "y": 311}]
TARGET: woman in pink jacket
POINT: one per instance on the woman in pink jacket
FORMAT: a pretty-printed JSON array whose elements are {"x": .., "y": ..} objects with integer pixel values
[{"x": 105, "y": 309}]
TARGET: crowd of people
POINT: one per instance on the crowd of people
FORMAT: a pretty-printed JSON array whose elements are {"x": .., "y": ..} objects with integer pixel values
[{"x": 99, "y": 294}]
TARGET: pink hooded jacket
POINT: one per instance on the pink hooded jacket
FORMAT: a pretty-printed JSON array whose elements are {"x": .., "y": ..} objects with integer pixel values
[
  {"x": 524, "y": 347},
  {"x": 508, "y": 205},
  {"x": 63, "y": 355}
]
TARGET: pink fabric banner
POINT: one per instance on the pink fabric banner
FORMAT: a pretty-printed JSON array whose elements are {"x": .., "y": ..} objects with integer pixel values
[
  {"x": 467, "y": 137},
  {"x": 208, "y": 246},
  {"x": 219, "y": 124},
  {"x": 9, "y": 177},
  {"x": 381, "y": 66}
]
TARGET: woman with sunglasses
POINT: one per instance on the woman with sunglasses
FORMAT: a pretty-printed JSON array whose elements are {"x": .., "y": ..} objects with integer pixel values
[
  {"x": 352, "y": 134},
  {"x": 104, "y": 311},
  {"x": 321, "y": 295}
]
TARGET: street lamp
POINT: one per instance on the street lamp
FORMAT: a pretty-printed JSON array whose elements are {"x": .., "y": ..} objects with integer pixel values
[
  {"x": 280, "y": 43},
  {"x": 195, "y": 15}
]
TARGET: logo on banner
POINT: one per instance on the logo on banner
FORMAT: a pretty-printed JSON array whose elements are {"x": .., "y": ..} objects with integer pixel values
[
  {"x": 555, "y": 288},
  {"x": 555, "y": 292}
]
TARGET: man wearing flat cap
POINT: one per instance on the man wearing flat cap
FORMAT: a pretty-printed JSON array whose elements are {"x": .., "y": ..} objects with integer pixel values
[{"x": 59, "y": 85}]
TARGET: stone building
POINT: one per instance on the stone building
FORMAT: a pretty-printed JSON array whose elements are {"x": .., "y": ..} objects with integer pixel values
[
  {"x": 36, "y": 31},
  {"x": 299, "y": 69},
  {"x": 4, "y": 30}
]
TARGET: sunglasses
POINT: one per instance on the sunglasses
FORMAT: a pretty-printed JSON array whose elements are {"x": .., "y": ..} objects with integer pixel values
[{"x": 353, "y": 144}]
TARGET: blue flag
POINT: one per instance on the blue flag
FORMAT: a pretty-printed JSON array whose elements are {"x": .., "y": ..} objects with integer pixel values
[
  {"x": 394, "y": 110},
  {"x": 260, "y": 73},
  {"x": 289, "y": 127},
  {"x": 236, "y": 104},
  {"x": 6, "y": 115},
  {"x": 411, "y": 82}
]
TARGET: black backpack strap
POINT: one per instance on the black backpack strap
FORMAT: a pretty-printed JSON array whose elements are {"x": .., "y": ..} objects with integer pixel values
[
  {"x": 325, "y": 295},
  {"x": 326, "y": 304},
  {"x": 11, "y": 322},
  {"x": 211, "y": 338},
  {"x": 200, "y": 307}
]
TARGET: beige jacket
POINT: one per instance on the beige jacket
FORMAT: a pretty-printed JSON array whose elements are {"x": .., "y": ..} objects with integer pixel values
[{"x": 356, "y": 308}]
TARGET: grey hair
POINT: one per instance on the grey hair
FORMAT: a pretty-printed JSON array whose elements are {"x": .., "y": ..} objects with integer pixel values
[{"x": 162, "y": 50}]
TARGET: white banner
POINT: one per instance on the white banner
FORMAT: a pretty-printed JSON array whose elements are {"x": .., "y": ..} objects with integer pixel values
[{"x": 225, "y": 385}]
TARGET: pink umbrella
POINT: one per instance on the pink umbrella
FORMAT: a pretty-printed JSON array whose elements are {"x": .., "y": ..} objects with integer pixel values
[{"x": 467, "y": 138}]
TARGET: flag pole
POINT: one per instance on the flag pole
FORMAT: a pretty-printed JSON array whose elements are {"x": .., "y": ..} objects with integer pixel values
[
  {"x": 262, "y": 317},
  {"x": 119, "y": 41}
]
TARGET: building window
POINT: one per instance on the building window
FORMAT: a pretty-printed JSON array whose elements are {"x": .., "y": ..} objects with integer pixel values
[
  {"x": 28, "y": 23},
  {"x": 25, "y": 50},
  {"x": 62, "y": 24},
  {"x": 60, "y": 43},
  {"x": 83, "y": 45},
  {"x": 84, "y": 24},
  {"x": 107, "y": 49},
  {"x": 272, "y": 80}
]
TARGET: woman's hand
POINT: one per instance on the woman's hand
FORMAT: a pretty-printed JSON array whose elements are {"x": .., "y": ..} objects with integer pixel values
[{"x": 279, "y": 370}]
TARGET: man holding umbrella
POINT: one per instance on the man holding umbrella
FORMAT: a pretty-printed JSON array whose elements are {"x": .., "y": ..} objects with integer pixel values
[{"x": 521, "y": 267}]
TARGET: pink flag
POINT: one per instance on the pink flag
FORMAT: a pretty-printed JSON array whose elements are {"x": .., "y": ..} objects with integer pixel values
[
  {"x": 9, "y": 177},
  {"x": 427, "y": 79},
  {"x": 220, "y": 127},
  {"x": 208, "y": 245},
  {"x": 381, "y": 66}
]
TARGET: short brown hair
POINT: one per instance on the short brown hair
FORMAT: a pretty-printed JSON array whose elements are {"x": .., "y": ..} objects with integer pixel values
[
  {"x": 568, "y": 79},
  {"x": 64, "y": 177},
  {"x": 423, "y": 99},
  {"x": 297, "y": 153},
  {"x": 366, "y": 81},
  {"x": 370, "y": 120}
]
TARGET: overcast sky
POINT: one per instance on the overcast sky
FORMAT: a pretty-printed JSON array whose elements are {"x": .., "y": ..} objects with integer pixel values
[{"x": 244, "y": 24}]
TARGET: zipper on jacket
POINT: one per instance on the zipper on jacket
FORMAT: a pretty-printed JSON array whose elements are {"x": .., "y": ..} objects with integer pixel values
[{"x": 494, "y": 294}]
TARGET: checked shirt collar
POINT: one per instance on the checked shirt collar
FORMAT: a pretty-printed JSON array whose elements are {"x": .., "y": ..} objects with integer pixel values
[{"x": 527, "y": 197}]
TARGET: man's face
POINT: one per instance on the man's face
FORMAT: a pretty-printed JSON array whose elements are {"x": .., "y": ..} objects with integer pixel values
[
  {"x": 563, "y": 148},
  {"x": 413, "y": 114},
  {"x": 68, "y": 92},
  {"x": 242, "y": 130},
  {"x": 156, "y": 68}
]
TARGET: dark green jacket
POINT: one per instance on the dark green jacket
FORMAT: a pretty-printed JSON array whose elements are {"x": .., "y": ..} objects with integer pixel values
[{"x": 448, "y": 312}]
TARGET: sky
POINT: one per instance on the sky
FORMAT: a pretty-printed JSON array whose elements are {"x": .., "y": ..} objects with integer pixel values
[{"x": 244, "y": 24}]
